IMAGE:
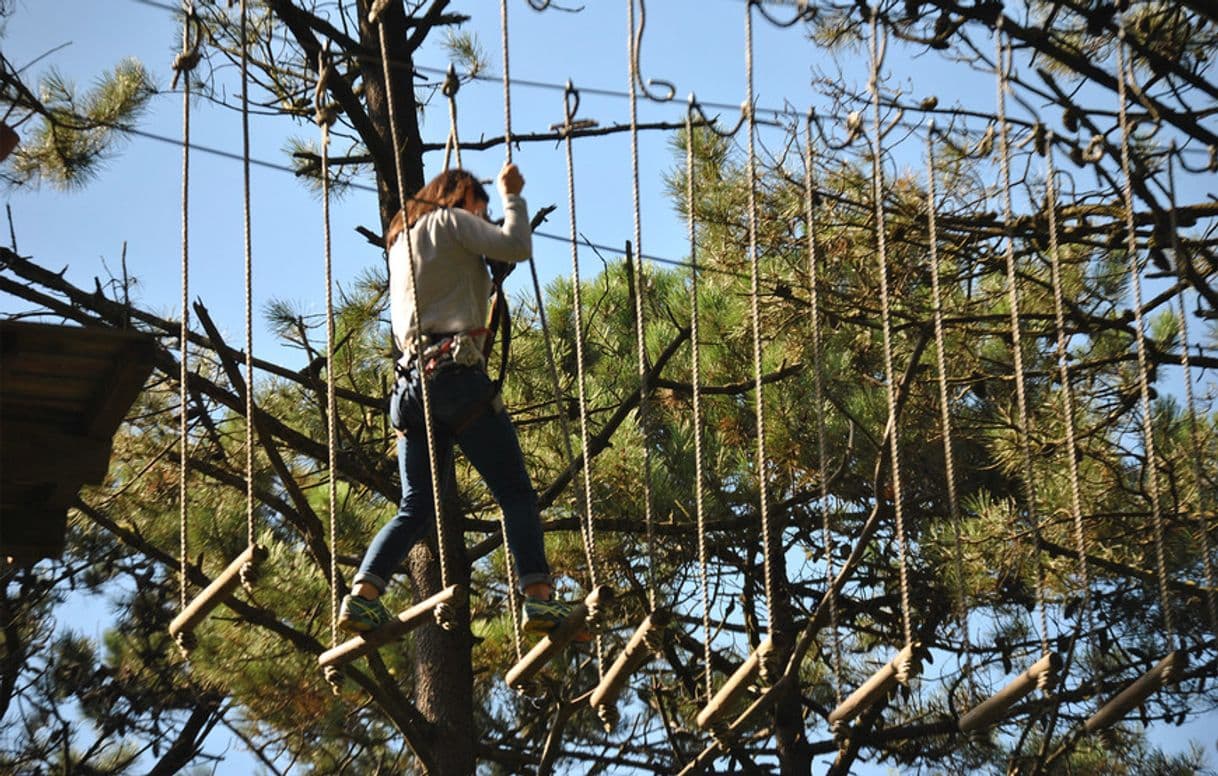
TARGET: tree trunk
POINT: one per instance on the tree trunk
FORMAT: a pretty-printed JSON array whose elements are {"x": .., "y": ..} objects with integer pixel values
[
  {"x": 443, "y": 666},
  {"x": 793, "y": 754}
]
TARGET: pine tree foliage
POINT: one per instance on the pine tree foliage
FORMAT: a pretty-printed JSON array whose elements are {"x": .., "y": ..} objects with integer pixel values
[{"x": 78, "y": 133}]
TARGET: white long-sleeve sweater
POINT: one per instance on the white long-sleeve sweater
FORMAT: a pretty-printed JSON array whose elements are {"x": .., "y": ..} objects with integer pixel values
[{"x": 448, "y": 245}]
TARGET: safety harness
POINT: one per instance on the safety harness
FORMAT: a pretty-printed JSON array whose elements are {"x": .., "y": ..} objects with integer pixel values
[{"x": 449, "y": 350}]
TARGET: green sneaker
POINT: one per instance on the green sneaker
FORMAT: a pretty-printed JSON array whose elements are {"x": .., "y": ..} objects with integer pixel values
[
  {"x": 359, "y": 615},
  {"x": 544, "y": 616}
]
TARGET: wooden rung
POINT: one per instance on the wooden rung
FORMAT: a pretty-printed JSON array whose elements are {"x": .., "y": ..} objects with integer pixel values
[
  {"x": 635, "y": 654},
  {"x": 406, "y": 621},
  {"x": 734, "y": 686},
  {"x": 997, "y": 705},
  {"x": 742, "y": 724},
  {"x": 878, "y": 686},
  {"x": 1166, "y": 671},
  {"x": 521, "y": 675},
  {"x": 215, "y": 593}
]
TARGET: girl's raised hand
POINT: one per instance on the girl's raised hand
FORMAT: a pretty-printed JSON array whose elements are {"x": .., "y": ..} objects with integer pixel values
[{"x": 510, "y": 180}]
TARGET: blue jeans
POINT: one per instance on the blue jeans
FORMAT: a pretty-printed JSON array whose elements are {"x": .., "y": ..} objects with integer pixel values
[{"x": 488, "y": 440}]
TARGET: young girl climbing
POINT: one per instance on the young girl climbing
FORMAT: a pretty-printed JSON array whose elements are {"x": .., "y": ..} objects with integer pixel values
[{"x": 450, "y": 239}]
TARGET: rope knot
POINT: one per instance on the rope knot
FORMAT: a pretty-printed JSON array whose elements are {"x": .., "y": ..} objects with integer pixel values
[
  {"x": 654, "y": 641},
  {"x": 609, "y": 716},
  {"x": 595, "y": 618},
  {"x": 854, "y": 125},
  {"x": 186, "y": 60},
  {"x": 768, "y": 667},
  {"x": 1041, "y": 138},
  {"x": 446, "y": 616},
  {"x": 1046, "y": 680},
  {"x": 325, "y": 115},
  {"x": 186, "y": 642},
  {"x": 1095, "y": 149},
  {"x": 249, "y": 576},
  {"x": 840, "y": 730},
  {"x": 451, "y": 84},
  {"x": 334, "y": 678},
  {"x": 906, "y": 670}
]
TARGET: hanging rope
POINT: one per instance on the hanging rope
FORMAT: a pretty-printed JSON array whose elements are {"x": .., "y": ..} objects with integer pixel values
[
  {"x": 767, "y": 539},
  {"x": 249, "y": 280},
  {"x": 696, "y": 379},
  {"x": 1063, "y": 372},
  {"x": 452, "y": 145},
  {"x": 877, "y": 182},
  {"x": 570, "y": 102},
  {"x": 324, "y": 118},
  {"x": 1024, "y": 430},
  {"x": 1193, "y": 433},
  {"x": 1135, "y": 278},
  {"x": 183, "y": 63},
  {"x": 945, "y": 418},
  {"x": 445, "y": 616},
  {"x": 507, "y": 82},
  {"x": 644, "y": 410},
  {"x": 818, "y": 400}
]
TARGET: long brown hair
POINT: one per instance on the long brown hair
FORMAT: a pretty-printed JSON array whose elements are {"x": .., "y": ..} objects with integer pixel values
[{"x": 448, "y": 189}]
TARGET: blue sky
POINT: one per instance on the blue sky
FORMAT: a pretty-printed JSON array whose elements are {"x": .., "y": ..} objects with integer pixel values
[{"x": 698, "y": 45}]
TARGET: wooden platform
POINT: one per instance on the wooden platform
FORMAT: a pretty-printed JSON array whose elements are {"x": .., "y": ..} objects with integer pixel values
[{"x": 64, "y": 390}]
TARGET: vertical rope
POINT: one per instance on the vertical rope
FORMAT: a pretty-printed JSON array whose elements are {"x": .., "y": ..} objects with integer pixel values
[
  {"x": 513, "y": 602},
  {"x": 877, "y": 182},
  {"x": 1135, "y": 277},
  {"x": 1063, "y": 371},
  {"x": 818, "y": 398},
  {"x": 577, "y": 311},
  {"x": 1193, "y": 433},
  {"x": 945, "y": 418},
  {"x": 644, "y": 411},
  {"x": 323, "y": 121},
  {"x": 184, "y": 333},
  {"x": 452, "y": 145},
  {"x": 507, "y": 83},
  {"x": 441, "y": 542},
  {"x": 696, "y": 379},
  {"x": 755, "y": 318},
  {"x": 249, "y": 280},
  {"x": 1024, "y": 431}
]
